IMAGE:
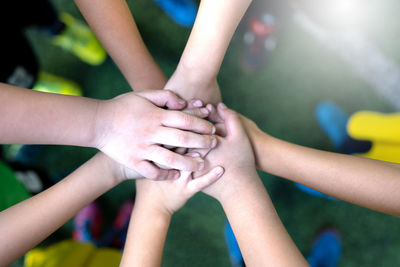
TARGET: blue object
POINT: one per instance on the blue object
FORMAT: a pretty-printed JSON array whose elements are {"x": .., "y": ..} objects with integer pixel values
[
  {"x": 29, "y": 154},
  {"x": 333, "y": 121},
  {"x": 233, "y": 247},
  {"x": 183, "y": 12},
  {"x": 313, "y": 192},
  {"x": 326, "y": 250}
]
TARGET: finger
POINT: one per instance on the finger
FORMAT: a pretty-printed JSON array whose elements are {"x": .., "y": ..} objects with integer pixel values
[
  {"x": 178, "y": 138},
  {"x": 180, "y": 120},
  {"x": 185, "y": 177},
  {"x": 197, "y": 112},
  {"x": 201, "y": 151},
  {"x": 151, "y": 171},
  {"x": 221, "y": 129},
  {"x": 164, "y": 98},
  {"x": 195, "y": 103},
  {"x": 205, "y": 180},
  {"x": 213, "y": 114},
  {"x": 173, "y": 160},
  {"x": 232, "y": 121}
]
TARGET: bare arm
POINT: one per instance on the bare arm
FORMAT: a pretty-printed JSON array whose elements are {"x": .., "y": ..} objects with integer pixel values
[
  {"x": 30, "y": 117},
  {"x": 267, "y": 243},
  {"x": 262, "y": 238},
  {"x": 26, "y": 224},
  {"x": 113, "y": 24},
  {"x": 146, "y": 236},
  {"x": 365, "y": 182},
  {"x": 155, "y": 203},
  {"x": 216, "y": 22}
]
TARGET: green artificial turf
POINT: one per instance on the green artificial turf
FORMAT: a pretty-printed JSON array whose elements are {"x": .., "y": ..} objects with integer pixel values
[{"x": 280, "y": 98}]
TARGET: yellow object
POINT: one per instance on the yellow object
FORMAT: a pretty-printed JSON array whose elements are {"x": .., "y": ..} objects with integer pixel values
[
  {"x": 78, "y": 39},
  {"x": 71, "y": 253},
  {"x": 53, "y": 84},
  {"x": 383, "y": 130}
]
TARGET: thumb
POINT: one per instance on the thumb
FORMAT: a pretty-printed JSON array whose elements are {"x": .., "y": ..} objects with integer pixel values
[
  {"x": 164, "y": 98},
  {"x": 205, "y": 180},
  {"x": 231, "y": 119}
]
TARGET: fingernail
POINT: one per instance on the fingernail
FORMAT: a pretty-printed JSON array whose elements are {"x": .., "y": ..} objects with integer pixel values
[
  {"x": 181, "y": 102},
  {"x": 201, "y": 166},
  {"x": 201, "y": 161},
  {"x": 222, "y": 106},
  {"x": 209, "y": 107},
  {"x": 176, "y": 175},
  {"x": 214, "y": 143},
  {"x": 213, "y": 130},
  {"x": 219, "y": 171},
  {"x": 204, "y": 111},
  {"x": 198, "y": 103},
  {"x": 194, "y": 155}
]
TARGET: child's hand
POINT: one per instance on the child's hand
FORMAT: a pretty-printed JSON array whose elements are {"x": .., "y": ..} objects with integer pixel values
[
  {"x": 132, "y": 127},
  {"x": 234, "y": 152},
  {"x": 170, "y": 195},
  {"x": 188, "y": 87}
]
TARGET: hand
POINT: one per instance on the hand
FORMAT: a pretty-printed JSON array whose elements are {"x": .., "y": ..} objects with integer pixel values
[
  {"x": 132, "y": 127},
  {"x": 189, "y": 85},
  {"x": 170, "y": 195},
  {"x": 234, "y": 152}
]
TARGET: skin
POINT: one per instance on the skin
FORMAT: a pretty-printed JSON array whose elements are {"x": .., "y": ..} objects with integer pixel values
[
  {"x": 246, "y": 202},
  {"x": 45, "y": 118},
  {"x": 365, "y": 182},
  {"x": 196, "y": 74},
  {"x": 112, "y": 20},
  {"x": 239, "y": 190},
  {"x": 139, "y": 143},
  {"x": 155, "y": 204},
  {"x": 42, "y": 213}
]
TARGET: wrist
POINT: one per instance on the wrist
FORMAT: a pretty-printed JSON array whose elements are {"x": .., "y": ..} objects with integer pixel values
[
  {"x": 239, "y": 186},
  {"x": 99, "y": 125},
  {"x": 111, "y": 170},
  {"x": 243, "y": 193},
  {"x": 196, "y": 73},
  {"x": 260, "y": 141},
  {"x": 152, "y": 206}
]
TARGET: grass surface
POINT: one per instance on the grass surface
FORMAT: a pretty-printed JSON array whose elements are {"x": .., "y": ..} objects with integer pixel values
[{"x": 280, "y": 98}]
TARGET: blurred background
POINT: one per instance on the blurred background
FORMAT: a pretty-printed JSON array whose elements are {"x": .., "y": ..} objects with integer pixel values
[{"x": 345, "y": 51}]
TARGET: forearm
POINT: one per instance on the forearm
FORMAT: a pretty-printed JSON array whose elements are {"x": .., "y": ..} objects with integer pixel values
[
  {"x": 364, "y": 182},
  {"x": 215, "y": 25},
  {"x": 30, "y": 117},
  {"x": 196, "y": 74},
  {"x": 267, "y": 243},
  {"x": 28, "y": 223},
  {"x": 146, "y": 236},
  {"x": 113, "y": 24}
]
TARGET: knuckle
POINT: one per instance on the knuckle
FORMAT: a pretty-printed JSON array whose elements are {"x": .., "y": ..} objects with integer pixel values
[
  {"x": 170, "y": 160},
  {"x": 205, "y": 141},
  {"x": 154, "y": 174},
  {"x": 187, "y": 121},
  {"x": 208, "y": 141},
  {"x": 205, "y": 127},
  {"x": 182, "y": 138},
  {"x": 169, "y": 93}
]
